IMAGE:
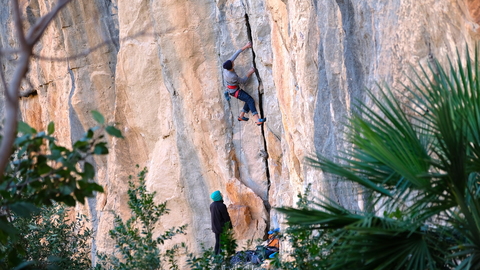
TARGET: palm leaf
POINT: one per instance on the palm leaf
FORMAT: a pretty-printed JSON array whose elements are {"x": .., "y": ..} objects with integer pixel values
[{"x": 422, "y": 156}]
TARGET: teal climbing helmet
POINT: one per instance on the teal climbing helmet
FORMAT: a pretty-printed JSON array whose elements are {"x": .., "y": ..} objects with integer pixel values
[{"x": 216, "y": 196}]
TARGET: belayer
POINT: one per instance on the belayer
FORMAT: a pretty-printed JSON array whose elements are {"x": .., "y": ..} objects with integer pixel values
[
  {"x": 220, "y": 218},
  {"x": 233, "y": 89}
]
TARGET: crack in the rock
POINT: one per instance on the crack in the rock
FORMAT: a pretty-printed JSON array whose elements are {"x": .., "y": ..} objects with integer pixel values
[
  {"x": 249, "y": 33},
  {"x": 260, "y": 107},
  {"x": 28, "y": 93}
]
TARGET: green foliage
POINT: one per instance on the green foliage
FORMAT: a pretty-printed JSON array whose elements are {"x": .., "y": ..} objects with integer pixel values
[
  {"x": 310, "y": 248},
  {"x": 136, "y": 248},
  {"x": 49, "y": 240},
  {"x": 210, "y": 260},
  {"x": 421, "y": 160},
  {"x": 41, "y": 172},
  {"x": 98, "y": 117},
  {"x": 228, "y": 244}
]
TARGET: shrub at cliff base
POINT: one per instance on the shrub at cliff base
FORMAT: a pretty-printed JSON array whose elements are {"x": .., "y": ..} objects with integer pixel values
[
  {"x": 135, "y": 246},
  {"x": 41, "y": 173},
  {"x": 51, "y": 240},
  {"x": 209, "y": 260}
]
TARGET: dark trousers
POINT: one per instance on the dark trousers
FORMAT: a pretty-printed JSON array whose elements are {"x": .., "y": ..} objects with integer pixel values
[
  {"x": 217, "y": 243},
  {"x": 249, "y": 102}
]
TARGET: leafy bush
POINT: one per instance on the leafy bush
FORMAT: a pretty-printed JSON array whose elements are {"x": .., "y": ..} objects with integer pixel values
[
  {"x": 135, "y": 246},
  {"x": 41, "y": 172},
  {"x": 210, "y": 260},
  {"x": 49, "y": 240},
  {"x": 309, "y": 248}
]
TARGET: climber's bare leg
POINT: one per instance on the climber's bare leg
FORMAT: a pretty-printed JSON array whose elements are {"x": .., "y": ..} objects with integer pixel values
[{"x": 255, "y": 117}]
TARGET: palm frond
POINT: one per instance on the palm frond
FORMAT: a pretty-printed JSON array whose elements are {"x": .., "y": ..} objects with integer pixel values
[{"x": 419, "y": 153}]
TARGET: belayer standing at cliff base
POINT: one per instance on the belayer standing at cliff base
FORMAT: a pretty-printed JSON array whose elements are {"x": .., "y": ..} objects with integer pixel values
[
  {"x": 233, "y": 89},
  {"x": 220, "y": 217}
]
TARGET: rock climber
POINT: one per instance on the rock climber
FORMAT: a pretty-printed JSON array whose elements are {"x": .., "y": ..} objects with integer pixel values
[
  {"x": 220, "y": 217},
  {"x": 233, "y": 89}
]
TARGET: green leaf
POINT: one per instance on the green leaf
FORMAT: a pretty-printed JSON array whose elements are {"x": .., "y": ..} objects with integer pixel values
[
  {"x": 44, "y": 169},
  {"x": 98, "y": 117},
  {"x": 89, "y": 134},
  {"x": 7, "y": 231},
  {"x": 25, "y": 128},
  {"x": 114, "y": 131},
  {"x": 55, "y": 154},
  {"x": 82, "y": 145},
  {"x": 89, "y": 171},
  {"x": 24, "y": 209},
  {"x": 58, "y": 148},
  {"x": 14, "y": 258},
  {"x": 100, "y": 149},
  {"x": 51, "y": 128},
  {"x": 80, "y": 196},
  {"x": 22, "y": 139},
  {"x": 66, "y": 189},
  {"x": 96, "y": 187},
  {"x": 69, "y": 200}
]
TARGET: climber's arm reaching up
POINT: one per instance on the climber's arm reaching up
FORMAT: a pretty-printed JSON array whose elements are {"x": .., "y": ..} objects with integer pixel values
[
  {"x": 235, "y": 55},
  {"x": 231, "y": 76}
]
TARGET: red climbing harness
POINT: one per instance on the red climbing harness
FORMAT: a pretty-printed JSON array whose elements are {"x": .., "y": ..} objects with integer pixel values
[{"x": 235, "y": 94}]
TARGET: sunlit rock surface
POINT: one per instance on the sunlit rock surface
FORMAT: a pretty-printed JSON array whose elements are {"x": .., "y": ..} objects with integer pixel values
[{"x": 159, "y": 77}]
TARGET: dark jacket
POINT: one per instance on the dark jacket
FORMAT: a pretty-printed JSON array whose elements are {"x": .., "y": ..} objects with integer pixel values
[{"x": 220, "y": 216}]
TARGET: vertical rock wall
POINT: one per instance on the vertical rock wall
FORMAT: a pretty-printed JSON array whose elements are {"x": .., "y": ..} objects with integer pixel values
[{"x": 160, "y": 79}]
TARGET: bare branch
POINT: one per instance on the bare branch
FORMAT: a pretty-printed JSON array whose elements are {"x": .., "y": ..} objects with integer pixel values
[
  {"x": 17, "y": 20},
  {"x": 38, "y": 29},
  {"x": 11, "y": 111},
  {"x": 11, "y": 91}
]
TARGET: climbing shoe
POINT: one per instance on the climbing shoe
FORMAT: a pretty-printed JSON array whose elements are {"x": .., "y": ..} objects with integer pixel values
[
  {"x": 261, "y": 121},
  {"x": 243, "y": 118}
]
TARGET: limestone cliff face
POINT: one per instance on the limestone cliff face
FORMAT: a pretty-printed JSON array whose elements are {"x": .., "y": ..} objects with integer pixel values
[{"x": 160, "y": 79}]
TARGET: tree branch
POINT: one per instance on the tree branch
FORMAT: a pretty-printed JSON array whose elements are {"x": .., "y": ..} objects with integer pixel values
[
  {"x": 12, "y": 91},
  {"x": 90, "y": 50},
  {"x": 38, "y": 29}
]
